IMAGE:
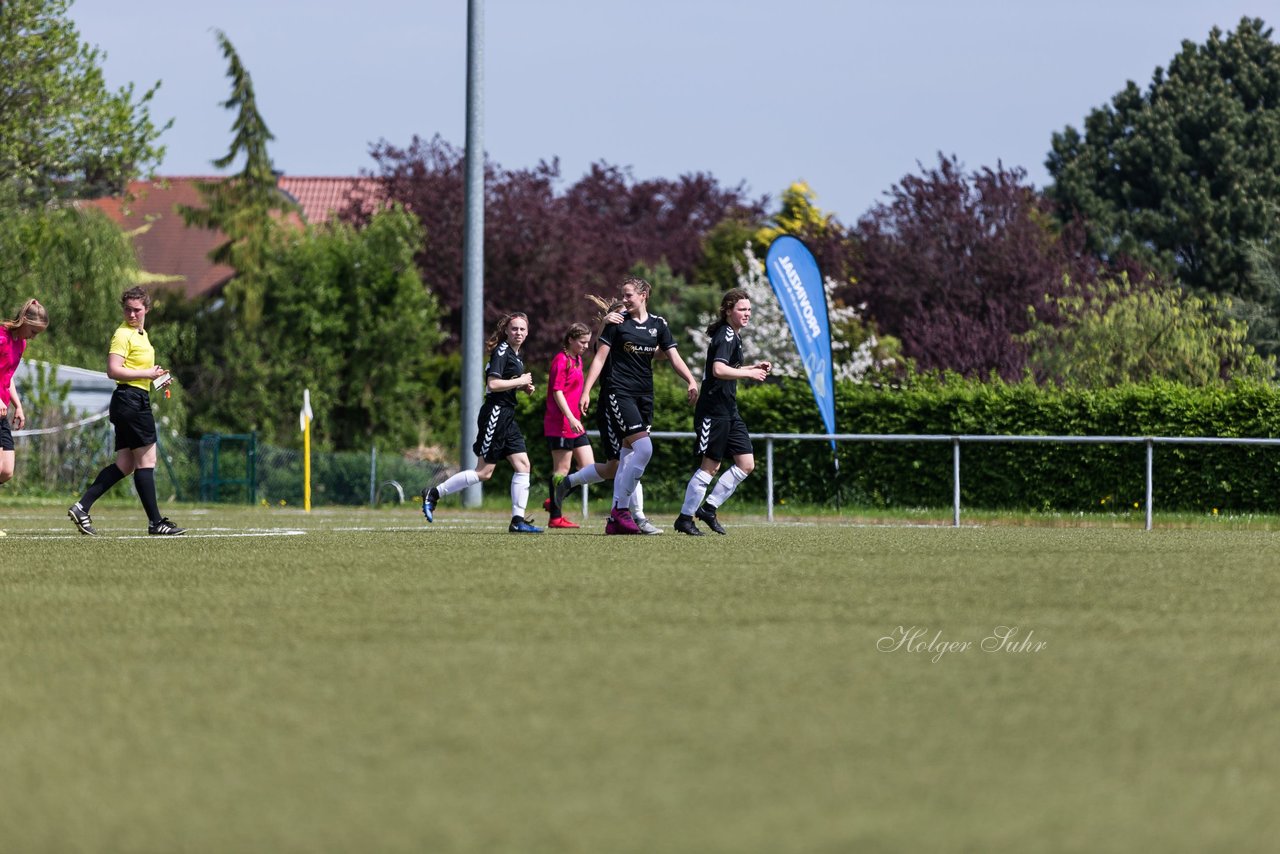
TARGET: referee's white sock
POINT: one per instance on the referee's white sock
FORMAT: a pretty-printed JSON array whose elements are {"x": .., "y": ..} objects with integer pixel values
[
  {"x": 725, "y": 486},
  {"x": 694, "y": 491}
]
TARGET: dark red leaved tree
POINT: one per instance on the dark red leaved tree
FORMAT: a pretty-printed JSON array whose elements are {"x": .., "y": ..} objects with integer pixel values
[
  {"x": 951, "y": 262},
  {"x": 545, "y": 248}
]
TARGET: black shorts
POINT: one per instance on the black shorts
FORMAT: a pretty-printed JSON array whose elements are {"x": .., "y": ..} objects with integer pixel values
[
  {"x": 722, "y": 438},
  {"x": 131, "y": 416},
  {"x": 608, "y": 438},
  {"x": 497, "y": 434},
  {"x": 628, "y": 414},
  {"x": 568, "y": 443},
  {"x": 6, "y": 435}
]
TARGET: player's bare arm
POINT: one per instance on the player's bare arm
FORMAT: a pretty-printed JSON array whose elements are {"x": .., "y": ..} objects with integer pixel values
[
  {"x": 593, "y": 374},
  {"x": 682, "y": 371}
]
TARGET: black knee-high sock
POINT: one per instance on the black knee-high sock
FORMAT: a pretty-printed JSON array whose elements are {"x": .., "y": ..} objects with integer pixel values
[
  {"x": 555, "y": 510},
  {"x": 107, "y": 478},
  {"x": 144, "y": 480}
]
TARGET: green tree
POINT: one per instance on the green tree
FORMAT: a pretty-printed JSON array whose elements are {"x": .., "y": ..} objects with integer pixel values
[
  {"x": 222, "y": 352},
  {"x": 1116, "y": 332},
  {"x": 349, "y": 318},
  {"x": 682, "y": 303},
  {"x": 1262, "y": 315},
  {"x": 345, "y": 315},
  {"x": 76, "y": 262},
  {"x": 247, "y": 206},
  {"x": 798, "y": 215},
  {"x": 722, "y": 250},
  {"x": 63, "y": 134},
  {"x": 1184, "y": 175}
]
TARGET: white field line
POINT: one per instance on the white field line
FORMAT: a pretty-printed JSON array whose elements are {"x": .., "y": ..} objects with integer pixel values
[{"x": 212, "y": 533}]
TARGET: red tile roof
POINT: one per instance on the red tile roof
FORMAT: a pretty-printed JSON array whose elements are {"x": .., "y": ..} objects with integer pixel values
[
  {"x": 168, "y": 247},
  {"x": 322, "y": 198}
]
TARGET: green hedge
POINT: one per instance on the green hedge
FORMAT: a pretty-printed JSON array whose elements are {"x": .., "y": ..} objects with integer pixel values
[{"x": 996, "y": 476}]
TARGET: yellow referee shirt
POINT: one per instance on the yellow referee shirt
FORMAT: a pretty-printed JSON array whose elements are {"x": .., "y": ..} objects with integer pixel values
[{"x": 139, "y": 355}]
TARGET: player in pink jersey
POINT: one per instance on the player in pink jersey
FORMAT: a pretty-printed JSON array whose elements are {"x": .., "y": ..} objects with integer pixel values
[
  {"x": 30, "y": 321},
  {"x": 562, "y": 423}
]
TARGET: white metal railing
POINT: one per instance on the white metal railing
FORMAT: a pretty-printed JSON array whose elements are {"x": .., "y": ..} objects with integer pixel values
[{"x": 956, "y": 440}]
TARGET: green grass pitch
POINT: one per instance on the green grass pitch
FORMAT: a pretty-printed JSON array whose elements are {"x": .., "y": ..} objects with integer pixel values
[{"x": 360, "y": 681}]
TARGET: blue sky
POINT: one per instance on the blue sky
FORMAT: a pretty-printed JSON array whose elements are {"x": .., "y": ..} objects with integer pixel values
[{"x": 845, "y": 94}]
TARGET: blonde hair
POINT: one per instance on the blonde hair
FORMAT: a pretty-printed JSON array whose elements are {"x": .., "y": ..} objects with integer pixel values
[
  {"x": 31, "y": 314},
  {"x": 604, "y": 305}
]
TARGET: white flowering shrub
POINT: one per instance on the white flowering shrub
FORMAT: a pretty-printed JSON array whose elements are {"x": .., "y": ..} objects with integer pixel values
[{"x": 855, "y": 349}]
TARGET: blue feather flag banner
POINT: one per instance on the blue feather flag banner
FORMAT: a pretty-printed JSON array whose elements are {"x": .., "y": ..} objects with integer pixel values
[{"x": 797, "y": 283}]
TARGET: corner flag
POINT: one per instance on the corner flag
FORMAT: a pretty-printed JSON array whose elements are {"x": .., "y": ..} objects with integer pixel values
[{"x": 304, "y": 422}]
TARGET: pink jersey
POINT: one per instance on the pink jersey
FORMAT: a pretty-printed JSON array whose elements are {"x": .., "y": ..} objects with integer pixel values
[
  {"x": 565, "y": 376},
  {"x": 11, "y": 350}
]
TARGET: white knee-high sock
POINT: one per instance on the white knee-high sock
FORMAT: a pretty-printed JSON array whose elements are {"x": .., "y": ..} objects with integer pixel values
[
  {"x": 631, "y": 471},
  {"x": 637, "y": 501},
  {"x": 459, "y": 481},
  {"x": 519, "y": 493},
  {"x": 725, "y": 486},
  {"x": 588, "y": 475},
  {"x": 694, "y": 491},
  {"x": 624, "y": 454}
]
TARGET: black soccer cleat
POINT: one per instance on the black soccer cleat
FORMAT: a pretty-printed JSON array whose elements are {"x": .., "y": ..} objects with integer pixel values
[
  {"x": 707, "y": 514},
  {"x": 429, "y": 499},
  {"x": 684, "y": 524},
  {"x": 80, "y": 516},
  {"x": 561, "y": 487},
  {"x": 165, "y": 528},
  {"x": 521, "y": 525}
]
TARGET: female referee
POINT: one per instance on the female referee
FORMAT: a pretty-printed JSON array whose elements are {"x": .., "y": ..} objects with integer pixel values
[{"x": 131, "y": 362}]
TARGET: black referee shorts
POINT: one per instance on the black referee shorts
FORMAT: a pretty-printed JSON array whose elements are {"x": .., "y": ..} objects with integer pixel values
[{"x": 131, "y": 416}]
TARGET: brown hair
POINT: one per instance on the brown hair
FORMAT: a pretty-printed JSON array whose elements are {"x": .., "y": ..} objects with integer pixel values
[
  {"x": 639, "y": 284},
  {"x": 500, "y": 331},
  {"x": 727, "y": 302},
  {"x": 573, "y": 333},
  {"x": 32, "y": 314},
  {"x": 140, "y": 294}
]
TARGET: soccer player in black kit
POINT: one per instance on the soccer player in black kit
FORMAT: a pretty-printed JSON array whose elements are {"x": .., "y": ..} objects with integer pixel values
[
  {"x": 720, "y": 429},
  {"x": 497, "y": 434},
  {"x": 627, "y": 350}
]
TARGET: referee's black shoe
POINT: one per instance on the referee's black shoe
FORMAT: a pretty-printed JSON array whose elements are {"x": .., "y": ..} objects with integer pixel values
[
  {"x": 684, "y": 524},
  {"x": 164, "y": 528},
  {"x": 80, "y": 516},
  {"x": 707, "y": 514}
]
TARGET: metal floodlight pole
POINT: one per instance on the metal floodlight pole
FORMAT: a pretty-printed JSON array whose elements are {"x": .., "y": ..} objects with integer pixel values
[{"x": 473, "y": 247}]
